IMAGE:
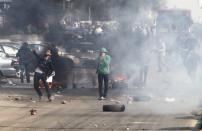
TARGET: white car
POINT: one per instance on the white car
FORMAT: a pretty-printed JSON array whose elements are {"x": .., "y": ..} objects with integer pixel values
[{"x": 5, "y": 66}]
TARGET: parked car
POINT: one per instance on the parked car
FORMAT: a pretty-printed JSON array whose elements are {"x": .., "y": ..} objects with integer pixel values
[
  {"x": 10, "y": 49},
  {"x": 6, "y": 69},
  {"x": 8, "y": 52}
]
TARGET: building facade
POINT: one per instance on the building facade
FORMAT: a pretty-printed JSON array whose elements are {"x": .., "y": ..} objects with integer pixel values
[{"x": 195, "y": 6}]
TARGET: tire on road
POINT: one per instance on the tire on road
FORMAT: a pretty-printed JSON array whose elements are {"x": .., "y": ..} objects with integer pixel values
[{"x": 113, "y": 108}]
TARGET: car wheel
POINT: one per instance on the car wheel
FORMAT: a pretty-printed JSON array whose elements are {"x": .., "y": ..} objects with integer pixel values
[{"x": 113, "y": 108}]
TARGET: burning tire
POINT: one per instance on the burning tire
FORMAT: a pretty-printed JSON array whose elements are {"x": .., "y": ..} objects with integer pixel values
[
  {"x": 118, "y": 85},
  {"x": 119, "y": 81},
  {"x": 113, "y": 108}
]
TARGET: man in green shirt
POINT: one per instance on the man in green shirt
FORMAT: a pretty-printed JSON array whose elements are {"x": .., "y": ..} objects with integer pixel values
[{"x": 103, "y": 71}]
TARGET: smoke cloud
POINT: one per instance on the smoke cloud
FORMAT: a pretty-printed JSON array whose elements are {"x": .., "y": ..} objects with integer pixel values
[{"x": 137, "y": 44}]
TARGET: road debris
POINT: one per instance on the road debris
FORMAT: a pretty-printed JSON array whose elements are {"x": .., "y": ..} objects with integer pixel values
[
  {"x": 33, "y": 101},
  {"x": 116, "y": 101},
  {"x": 64, "y": 102},
  {"x": 33, "y": 111},
  {"x": 11, "y": 83},
  {"x": 95, "y": 125},
  {"x": 114, "y": 108},
  {"x": 16, "y": 98},
  {"x": 169, "y": 99},
  {"x": 129, "y": 99}
]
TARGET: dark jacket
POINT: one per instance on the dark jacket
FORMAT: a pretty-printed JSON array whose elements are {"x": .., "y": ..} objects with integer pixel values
[
  {"x": 25, "y": 55},
  {"x": 45, "y": 65}
]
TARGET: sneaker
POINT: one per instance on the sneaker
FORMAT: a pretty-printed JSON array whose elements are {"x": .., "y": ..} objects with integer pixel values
[
  {"x": 104, "y": 98},
  {"x": 101, "y": 98}
]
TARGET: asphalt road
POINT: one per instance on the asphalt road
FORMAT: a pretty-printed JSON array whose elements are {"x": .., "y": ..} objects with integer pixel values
[{"x": 83, "y": 112}]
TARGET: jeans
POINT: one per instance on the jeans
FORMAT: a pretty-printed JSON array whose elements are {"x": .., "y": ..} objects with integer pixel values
[
  {"x": 103, "y": 78},
  {"x": 24, "y": 69},
  {"x": 42, "y": 77}
]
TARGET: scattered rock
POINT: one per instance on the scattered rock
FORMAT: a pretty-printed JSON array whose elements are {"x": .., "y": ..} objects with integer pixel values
[
  {"x": 16, "y": 99},
  {"x": 33, "y": 111},
  {"x": 95, "y": 125},
  {"x": 116, "y": 101},
  {"x": 64, "y": 102},
  {"x": 167, "y": 99}
]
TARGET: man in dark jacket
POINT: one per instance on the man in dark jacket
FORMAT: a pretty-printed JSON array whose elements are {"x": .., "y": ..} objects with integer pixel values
[
  {"x": 44, "y": 69},
  {"x": 25, "y": 56}
]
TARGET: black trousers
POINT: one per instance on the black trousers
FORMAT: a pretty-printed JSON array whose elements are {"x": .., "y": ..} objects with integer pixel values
[
  {"x": 24, "y": 70},
  {"x": 103, "y": 78},
  {"x": 37, "y": 77}
]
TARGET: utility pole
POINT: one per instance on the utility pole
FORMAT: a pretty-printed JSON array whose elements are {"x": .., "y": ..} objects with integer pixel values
[{"x": 89, "y": 13}]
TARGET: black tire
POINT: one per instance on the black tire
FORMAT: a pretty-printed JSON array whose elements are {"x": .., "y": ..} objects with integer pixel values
[{"x": 113, "y": 108}]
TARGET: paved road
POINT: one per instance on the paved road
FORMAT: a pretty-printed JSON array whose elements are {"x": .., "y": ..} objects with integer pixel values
[{"x": 83, "y": 112}]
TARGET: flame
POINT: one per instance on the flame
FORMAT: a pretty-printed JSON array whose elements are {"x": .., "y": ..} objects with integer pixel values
[{"x": 120, "y": 77}]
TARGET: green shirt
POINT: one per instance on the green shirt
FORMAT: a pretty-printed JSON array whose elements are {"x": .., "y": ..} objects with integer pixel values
[{"x": 104, "y": 65}]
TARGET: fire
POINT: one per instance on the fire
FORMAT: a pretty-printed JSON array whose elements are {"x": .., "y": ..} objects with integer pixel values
[{"x": 120, "y": 77}]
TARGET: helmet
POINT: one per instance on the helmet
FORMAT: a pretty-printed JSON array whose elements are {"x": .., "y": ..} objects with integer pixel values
[{"x": 104, "y": 50}]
